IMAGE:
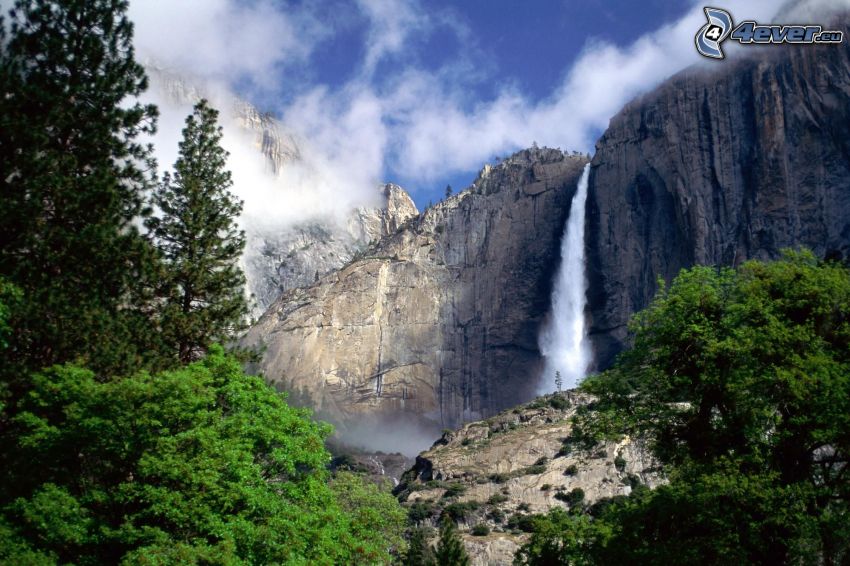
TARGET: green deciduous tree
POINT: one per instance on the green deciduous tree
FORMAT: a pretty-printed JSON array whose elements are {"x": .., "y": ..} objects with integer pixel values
[
  {"x": 202, "y": 285},
  {"x": 197, "y": 465},
  {"x": 740, "y": 382},
  {"x": 376, "y": 518},
  {"x": 73, "y": 176}
]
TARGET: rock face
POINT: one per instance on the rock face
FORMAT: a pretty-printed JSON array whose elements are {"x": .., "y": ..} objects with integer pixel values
[
  {"x": 439, "y": 320},
  {"x": 284, "y": 257},
  {"x": 717, "y": 166},
  {"x": 290, "y": 257},
  {"x": 500, "y": 471}
]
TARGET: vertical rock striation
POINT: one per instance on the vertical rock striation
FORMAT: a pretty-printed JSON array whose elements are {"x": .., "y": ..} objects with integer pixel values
[
  {"x": 722, "y": 163},
  {"x": 438, "y": 320}
]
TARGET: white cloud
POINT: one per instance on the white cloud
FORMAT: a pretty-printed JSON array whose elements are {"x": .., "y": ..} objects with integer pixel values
[
  {"x": 393, "y": 23},
  {"x": 403, "y": 119},
  {"x": 228, "y": 40}
]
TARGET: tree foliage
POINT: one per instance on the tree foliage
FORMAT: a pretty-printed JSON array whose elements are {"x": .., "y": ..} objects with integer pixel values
[
  {"x": 73, "y": 176},
  {"x": 450, "y": 550},
  {"x": 196, "y": 231},
  {"x": 419, "y": 552},
  {"x": 740, "y": 382},
  {"x": 197, "y": 465}
]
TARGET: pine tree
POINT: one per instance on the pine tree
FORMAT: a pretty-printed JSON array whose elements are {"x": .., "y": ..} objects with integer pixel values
[
  {"x": 72, "y": 176},
  {"x": 559, "y": 382},
  {"x": 203, "y": 286},
  {"x": 448, "y": 191},
  {"x": 418, "y": 551},
  {"x": 450, "y": 550}
]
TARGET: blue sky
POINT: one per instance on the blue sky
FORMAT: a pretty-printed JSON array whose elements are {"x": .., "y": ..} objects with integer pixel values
[
  {"x": 425, "y": 93},
  {"x": 528, "y": 45}
]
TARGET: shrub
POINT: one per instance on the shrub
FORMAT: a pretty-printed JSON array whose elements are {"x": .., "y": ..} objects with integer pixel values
[
  {"x": 496, "y": 515},
  {"x": 571, "y": 470},
  {"x": 572, "y": 498},
  {"x": 620, "y": 462},
  {"x": 454, "y": 490},
  {"x": 481, "y": 530},
  {"x": 522, "y": 522},
  {"x": 499, "y": 477},
  {"x": 534, "y": 470},
  {"x": 459, "y": 511},
  {"x": 420, "y": 511},
  {"x": 497, "y": 498}
]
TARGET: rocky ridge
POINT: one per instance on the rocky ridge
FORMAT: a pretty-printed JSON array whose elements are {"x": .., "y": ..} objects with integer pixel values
[
  {"x": 285, "y": 257},
  {"x": 435, "y": 324},
  {"x": 501, "y": 471},
  {"x": 724, "y": 162}
]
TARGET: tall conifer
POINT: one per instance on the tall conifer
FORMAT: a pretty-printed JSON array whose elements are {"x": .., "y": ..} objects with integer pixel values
[
  {"x": 72, "y": 178},
  {"x": 197, "y": 232}
]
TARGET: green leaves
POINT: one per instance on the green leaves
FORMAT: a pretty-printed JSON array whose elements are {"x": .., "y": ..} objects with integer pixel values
[
  {"x": 740, "y": 380},
  {"x": 198, "y": 464}
]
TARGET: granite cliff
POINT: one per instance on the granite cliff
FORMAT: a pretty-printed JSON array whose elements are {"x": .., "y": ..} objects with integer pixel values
[
  {"x": 724, "y": 162},
  {"x": 279, "y": 257},
  {"x": 435, "y": 324}
]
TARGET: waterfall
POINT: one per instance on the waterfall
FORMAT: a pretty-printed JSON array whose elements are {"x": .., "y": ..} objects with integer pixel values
[{"x": 563, "y": 341}]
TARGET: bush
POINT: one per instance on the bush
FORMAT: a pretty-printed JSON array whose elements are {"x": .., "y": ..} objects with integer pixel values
[
  {"x": 572, "y": 498},
  {"x": 497, "y": 498},
  {"x": 459, "y": 511},
  {"x": 534, "y": 470},
  {"x": 620, "y": 463},
  {"x": 545, "y": 487},
  {"x": 496, "y": 515},
  {"x": 499, "y": 477},
  {"x": 558, "y": 402},
  {"x": 524, "y": 523},
  {"x": 420, "y": 511},
  {"x": 481, "y": 530},
  {"x": 454, "y": 490},
  {"x": 571, "y": 470}
]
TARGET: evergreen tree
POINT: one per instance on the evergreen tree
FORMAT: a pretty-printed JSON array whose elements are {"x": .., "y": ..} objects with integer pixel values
[
  {"x": 559, "y": 381},
  {"x": 203, "y": 286},
  {"x": 73, "y": 176},
  {"x": 418, "y": 551},
  {"x": 448, "y": 191},
  {"x": 450, "y": 550}
]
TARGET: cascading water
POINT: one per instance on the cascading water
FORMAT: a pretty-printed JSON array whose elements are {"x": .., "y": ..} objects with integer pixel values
[{"x": 563, "y": 341}]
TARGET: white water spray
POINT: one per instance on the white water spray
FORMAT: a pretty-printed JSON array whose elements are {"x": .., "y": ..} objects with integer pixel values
[{"x": 563, "y": 341}]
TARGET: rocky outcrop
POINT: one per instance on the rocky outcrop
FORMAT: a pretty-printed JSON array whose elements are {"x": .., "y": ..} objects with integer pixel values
[
  {"x": 501, "y": 471},
  {"x": 277, "y": 260},
  {"x": 438, "y": 321},
  {"x": 282, "y": 257},
  {"x": 722, "y": 163}
]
